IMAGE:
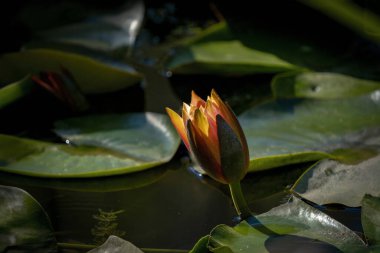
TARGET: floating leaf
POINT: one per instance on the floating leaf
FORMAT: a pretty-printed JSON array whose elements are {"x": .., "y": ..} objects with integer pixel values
[
  {"x": 115, "y": 244},
  {"x": 92, "y": 76},
  {"x": 14, "y": 91},
  {"x": 109, "y": 144},
  {"x": 24, "y": 225},
  {"x": 319, "y": 183},
  {"x": 371, "y": 219},
  {"x": 225, "y": 57},
  {"x": 286, "y": 228},
  {"x": 104, "y": 33},
  {"x": 201, "y": 246},
  {"x": 292, "y": 131},
  {"x": 320, "y": 85},
  {"x": 351, "y": 15},
  {"x": 217, "y": 51}
]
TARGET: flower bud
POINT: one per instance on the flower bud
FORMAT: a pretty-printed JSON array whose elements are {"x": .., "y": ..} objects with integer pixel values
[{"x": 212, "y": 133}]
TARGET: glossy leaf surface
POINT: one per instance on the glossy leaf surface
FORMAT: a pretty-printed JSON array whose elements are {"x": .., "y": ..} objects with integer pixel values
[
  {"x": 320, "y": 183},
  {"x": 105, "y": 145},
  {"x": 24, "y": 225},
  {"x": 288, "y": 228},
  {"x": 321, "y": 85},
  {"x": 291, "y": 131}
]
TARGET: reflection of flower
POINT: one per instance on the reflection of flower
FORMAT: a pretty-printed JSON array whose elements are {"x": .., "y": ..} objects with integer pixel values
[
  {"x": 212, "y": 133},
  {"x": 64, "y": 87}
]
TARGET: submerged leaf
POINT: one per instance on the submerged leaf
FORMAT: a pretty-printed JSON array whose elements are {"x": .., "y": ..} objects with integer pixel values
[
  {"x": 292, "y": 131},
  {"x": 92, "y": 76},
  {"x": 319, "y": 183},
  {"x": 104, "y": 145},
  {"x": 289, "y": 227},
  {"x": 24, "y": 225}
]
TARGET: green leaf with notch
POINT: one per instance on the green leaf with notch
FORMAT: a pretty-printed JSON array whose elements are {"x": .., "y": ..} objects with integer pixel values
[{"x": 291, "y": 131}]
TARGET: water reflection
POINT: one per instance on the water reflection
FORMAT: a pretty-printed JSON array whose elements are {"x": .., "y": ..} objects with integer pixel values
[{"x": 173, "y": 211}]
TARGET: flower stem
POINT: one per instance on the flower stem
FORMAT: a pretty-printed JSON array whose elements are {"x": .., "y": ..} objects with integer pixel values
[{"x": 239, "y": 200}]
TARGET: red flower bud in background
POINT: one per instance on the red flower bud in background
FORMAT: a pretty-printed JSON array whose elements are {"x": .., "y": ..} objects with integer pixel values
[
  {"x": 212, "y": 133},
  {"x": 64, "y": 87}
]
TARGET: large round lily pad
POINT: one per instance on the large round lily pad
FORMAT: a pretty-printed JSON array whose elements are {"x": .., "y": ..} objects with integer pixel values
[
  {"x": 102, "y": 145},
  {"x": 287, "y": 227},
  {"x": 290, "y": 131}
]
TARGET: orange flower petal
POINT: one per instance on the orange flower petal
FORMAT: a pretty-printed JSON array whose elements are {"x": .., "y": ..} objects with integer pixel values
[
  {"x": 203, "y": 152},
  {"x": 179, "y": 126},
  {"x": 200, "y": 121},
  {"x": 196, "y": 100}
]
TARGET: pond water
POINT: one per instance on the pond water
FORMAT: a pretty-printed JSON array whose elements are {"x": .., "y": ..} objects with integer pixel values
[
  {"x": 168, "y": 207},
  {"x": 172, "y": 206}
]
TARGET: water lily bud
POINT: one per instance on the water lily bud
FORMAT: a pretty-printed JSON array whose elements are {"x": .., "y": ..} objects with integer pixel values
[
  {"x": 64, "y": 87},
  {"x": 212, "y": 133}
]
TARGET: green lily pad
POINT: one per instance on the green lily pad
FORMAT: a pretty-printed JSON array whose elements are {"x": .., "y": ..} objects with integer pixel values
[
  {"x": 350, "y": 14},
  {"x": 319, "y": 183},
  {"x": 291, "y": 131},
  {"x": 201, "y": 246},
  {"x": 108, "y": 145},
  {"x": 371, "y": 219},
  {"x": 225, "y": 57},
  {"x": 15, "y": 91},
  {"x": 217, "y": 51},
  {"x": 92, "y": 76},
  {"x": 115, "y": 244},
  {"x": 24, "y": 225},
  {"x": 287, "y": 227},
  {"x": 320, "y": 85},
  {"x": 103, "y": 33}
]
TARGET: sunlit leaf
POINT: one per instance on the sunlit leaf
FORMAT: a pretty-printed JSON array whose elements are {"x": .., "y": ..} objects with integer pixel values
[
  {"x": 211, "y": 53},
  {"x": 350, "y": 14},
  {"x": 115, "y": 244},
  {"x": 225, "y": 57},
  {"x": 14, "y": 91},
  {"x": 201, "y": 246},
  {"x": 92, "y": 76},
  {"x": 291, "y": 131},
  {"x": 24, "y": 225},
  {"x": 104, "y": 145},
  {"x": 103, "y": 33},
  {"x": 290, "y": 227},
  {"x": 319, "y": 183},
  {"x": 320, "y": 85},
  {"x": 371, "y": 219}
]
